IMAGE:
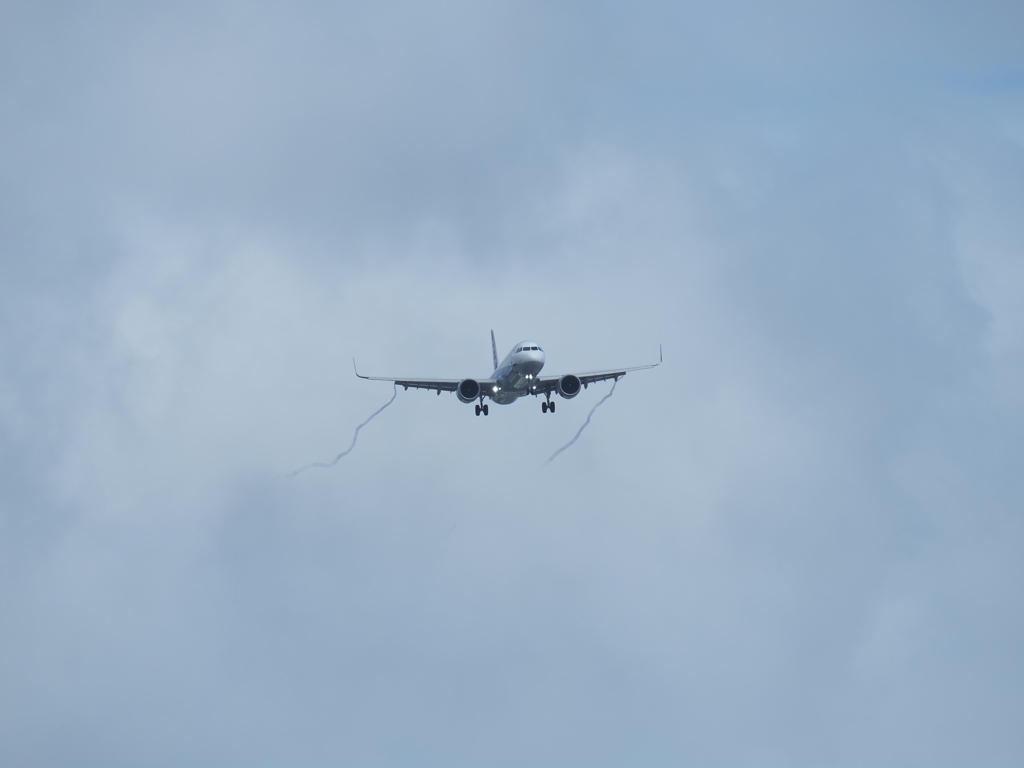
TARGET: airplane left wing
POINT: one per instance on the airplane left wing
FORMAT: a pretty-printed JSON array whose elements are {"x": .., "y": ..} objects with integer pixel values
[{"x": 547, "y": 384}]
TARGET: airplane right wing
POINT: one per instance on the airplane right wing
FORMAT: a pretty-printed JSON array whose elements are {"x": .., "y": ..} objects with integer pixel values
[{"x": 439, "y": 385}]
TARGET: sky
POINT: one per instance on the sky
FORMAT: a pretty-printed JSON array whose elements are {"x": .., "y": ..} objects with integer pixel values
[{"x": 796, "y": 543}]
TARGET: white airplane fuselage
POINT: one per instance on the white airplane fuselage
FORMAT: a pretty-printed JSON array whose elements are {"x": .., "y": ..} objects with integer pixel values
[{"x": 514, "y": 376}]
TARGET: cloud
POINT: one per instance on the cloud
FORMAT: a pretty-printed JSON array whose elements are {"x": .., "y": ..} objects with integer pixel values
[{"x": 793, "y": 543}]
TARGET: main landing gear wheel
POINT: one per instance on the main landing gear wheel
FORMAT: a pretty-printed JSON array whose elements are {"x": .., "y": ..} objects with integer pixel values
[
  {"x": 486, "y": 410},
  {"x": 478, "y": 410},
  {"x": 551, "y": 406}
]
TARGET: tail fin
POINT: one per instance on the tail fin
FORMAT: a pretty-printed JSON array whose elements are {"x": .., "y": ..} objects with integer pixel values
[{"x": 494, "y": 351}]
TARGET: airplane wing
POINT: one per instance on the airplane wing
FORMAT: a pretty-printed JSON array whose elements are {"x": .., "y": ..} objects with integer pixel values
[
  {"x": 550, "y": 383},
  {"x": 440, "y": 385}
]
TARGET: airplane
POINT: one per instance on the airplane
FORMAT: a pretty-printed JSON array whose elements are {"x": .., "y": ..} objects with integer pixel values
[{"x": 516, "y": 376}]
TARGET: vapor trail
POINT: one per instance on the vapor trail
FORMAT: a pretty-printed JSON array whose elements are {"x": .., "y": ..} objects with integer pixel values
[
  {"x": 610, "y": 393},
  {"x": 355, "y": 437}
]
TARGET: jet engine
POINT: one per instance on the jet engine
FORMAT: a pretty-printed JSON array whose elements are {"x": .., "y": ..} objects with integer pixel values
[
  {"x": 469, "y": 390},
  {"x": 569, "y": 386}
]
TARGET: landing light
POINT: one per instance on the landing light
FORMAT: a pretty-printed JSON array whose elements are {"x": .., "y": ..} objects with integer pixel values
[{"x": 495, "y": 389}]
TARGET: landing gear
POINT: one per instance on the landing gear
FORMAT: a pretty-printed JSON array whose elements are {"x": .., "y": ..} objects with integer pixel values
[
  {"x": 546, "y": 406},
  {"x": 481, "y": 409}
]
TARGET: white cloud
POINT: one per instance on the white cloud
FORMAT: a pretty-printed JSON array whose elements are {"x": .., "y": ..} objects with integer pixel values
[{"x": 794, "y": 543}]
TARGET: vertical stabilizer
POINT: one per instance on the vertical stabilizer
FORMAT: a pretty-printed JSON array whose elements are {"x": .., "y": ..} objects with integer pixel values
[{"x": 494, "y": 351}]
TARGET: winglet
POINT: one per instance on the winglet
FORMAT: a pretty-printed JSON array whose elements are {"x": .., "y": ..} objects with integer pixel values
[
  {"x": 357, "y": 370},
  {"x": 661, "y": 357},
  {"x": 494, "y": 350}
]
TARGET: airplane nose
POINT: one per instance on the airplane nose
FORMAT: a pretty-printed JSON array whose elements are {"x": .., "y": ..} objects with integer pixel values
[{"x": 533, "y": 365}]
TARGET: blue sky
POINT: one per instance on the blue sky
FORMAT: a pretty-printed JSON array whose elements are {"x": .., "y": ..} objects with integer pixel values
[{"x": 796, "y": 543}]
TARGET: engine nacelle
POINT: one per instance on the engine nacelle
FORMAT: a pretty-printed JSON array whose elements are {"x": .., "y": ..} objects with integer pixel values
[
  {"x": 468, "y": 390},
  {"x": 569, "y": 386}
]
